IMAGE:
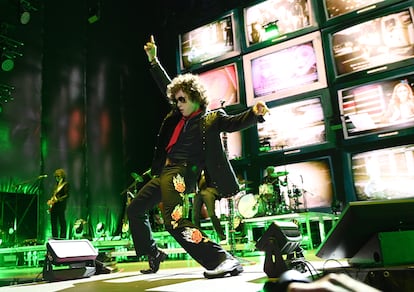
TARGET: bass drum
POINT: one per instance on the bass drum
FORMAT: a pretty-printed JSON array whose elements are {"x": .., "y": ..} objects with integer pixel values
[{"x": 250, "y": 205}]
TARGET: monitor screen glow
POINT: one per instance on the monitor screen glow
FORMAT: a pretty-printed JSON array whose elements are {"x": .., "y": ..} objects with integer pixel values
[
  {"x": 335, "y": 8},
  {"x": 209, "y": 43},
  {"x": 293, "y": 125},
  {"x": 374, "y": 43},
  {"x": 378, "y": 107},
  {"x": 222, "y": 85},
  {"x": 272, "y": 19},
  {"x": 285, "y": 69},
  {"x": 307, "y": 185},
  {"x": 232, "y": 144},
  {"x": 384, "y": 174}
]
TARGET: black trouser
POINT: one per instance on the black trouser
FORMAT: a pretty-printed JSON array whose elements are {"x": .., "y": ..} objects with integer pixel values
[
  {"x": 207, "y": 197},
  {"x": 167, "y": 188},
  {"x": 58, "y": 220}
]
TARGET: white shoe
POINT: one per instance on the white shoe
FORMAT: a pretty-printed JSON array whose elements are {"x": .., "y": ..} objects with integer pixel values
[{"x": 229, "y": 266}]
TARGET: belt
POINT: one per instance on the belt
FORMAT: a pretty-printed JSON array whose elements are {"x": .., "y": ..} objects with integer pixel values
[{"x": 174, "y": 162}]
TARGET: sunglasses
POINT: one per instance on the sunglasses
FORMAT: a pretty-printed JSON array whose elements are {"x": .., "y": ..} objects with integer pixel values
[{"x": 180, "y": 99}]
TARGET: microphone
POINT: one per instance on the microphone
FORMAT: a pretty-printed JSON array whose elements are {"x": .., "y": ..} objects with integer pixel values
[{"x": 42, "y": 176}]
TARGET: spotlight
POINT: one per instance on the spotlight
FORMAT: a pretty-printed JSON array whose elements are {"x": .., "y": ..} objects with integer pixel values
[
  {"x": 100, "y": 229},
  {"x": 94, "y": 13},
  {"x": 25, "y": 17},
  {"x": 79, "y": 228},
  {"x": 271, "y": 29},
  {"x": 9, "y": 50},
  {"x": 5, "y": 94},
  {"x": 7, "y": 64},
  {"x": 281, "y": 244},
  {"x": 25, "y": 8}
]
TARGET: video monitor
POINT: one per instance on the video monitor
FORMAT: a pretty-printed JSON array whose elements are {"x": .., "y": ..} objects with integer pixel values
[
  {"x": 340, "y": 10},
  {"x": 383, "y": 174},
  {"x": 307, "y": 185},
  {"x": 232, "y": 144},
  {"x": 209, "y": 43},
  {"x": 377, "y": 107},
  {"x": 271, "y": 21},
  {"x": 285, "y": 69},
  {"x": 378, "y": 44},
  {"x": 295, "y": 125},
  {"x": 222, "y": 84}
]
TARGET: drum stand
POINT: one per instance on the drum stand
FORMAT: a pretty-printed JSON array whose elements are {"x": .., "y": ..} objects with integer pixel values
[{"x": 232, "y": 231}]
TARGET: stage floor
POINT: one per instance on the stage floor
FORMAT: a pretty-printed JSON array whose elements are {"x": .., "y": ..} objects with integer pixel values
[{"x": 173, "y": 276}]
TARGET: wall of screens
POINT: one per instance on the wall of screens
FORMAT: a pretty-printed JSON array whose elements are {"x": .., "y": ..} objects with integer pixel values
[{"x": 335, "y": 76}]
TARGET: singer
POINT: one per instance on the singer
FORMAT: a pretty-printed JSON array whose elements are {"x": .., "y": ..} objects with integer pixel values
[
  {"x": 189, "y": 141},
  {"x": 57, "y": 205}
]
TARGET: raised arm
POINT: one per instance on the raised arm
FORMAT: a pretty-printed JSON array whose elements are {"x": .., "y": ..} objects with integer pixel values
[{"x": 157, "y": 71}]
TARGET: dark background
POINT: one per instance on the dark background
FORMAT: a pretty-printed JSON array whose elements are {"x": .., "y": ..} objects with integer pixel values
[{"x": 83, "y": 100}]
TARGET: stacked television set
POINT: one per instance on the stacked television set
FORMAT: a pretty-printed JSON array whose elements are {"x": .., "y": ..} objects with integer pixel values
[{"x": 330, "y": 73}]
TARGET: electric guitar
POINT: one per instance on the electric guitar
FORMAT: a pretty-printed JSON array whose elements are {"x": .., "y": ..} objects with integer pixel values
[
  {"x": 52, "y": 201},
  {"x": 125, "y": 224}
]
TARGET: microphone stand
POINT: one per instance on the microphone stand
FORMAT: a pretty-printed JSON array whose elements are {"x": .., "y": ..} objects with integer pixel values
[
  {"x": 232, "y": 232},
  {"x": 305, "y": 202}
]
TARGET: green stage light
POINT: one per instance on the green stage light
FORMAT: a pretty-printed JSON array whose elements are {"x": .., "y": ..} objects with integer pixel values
[{"x": 7, "y": 65}]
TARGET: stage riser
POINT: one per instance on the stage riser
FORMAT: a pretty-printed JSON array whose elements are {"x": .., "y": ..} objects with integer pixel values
[{"x": 313, "y": 227}]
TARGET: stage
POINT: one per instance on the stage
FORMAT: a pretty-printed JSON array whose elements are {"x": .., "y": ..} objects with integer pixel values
[
  {"x": 116, "y": 267},
  {"x": 174, "y": 276},
  {"x": 245, "y": 233},
  {"x": 22, "y": 265}
]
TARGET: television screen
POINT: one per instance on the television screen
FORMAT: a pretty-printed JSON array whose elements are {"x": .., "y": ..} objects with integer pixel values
[
  {"x": 222, "y": 85},
  {"x": 285, "y": 69},
  {"x": 386, "y": 173},
  {"x": 334, "y": 8},
  {"x": 306, "y": 185},
  {"x": 374, "y": 44},
  {"x": 293, "y": 125},
  {"x": 271, "y": 20},
  {"x": 209, "y": 43},
  {"x": 232, "y": 144},
  {"x": 377, "y": 107}
]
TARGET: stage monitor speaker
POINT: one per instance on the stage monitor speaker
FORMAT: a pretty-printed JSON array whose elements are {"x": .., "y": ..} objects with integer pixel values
[
  {"x": 281, "y": 239},
  {"x": 372, "y": 234},
  {"x": 69, "y": 259},
  {"x": 386, "y": 249}
]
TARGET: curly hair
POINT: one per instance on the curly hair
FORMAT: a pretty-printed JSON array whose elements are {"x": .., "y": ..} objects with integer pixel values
[
  {"x": 60, "y": 172},
  {"x": 192, "y": 86}
]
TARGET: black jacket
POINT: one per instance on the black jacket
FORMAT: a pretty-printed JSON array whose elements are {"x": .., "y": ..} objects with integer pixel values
[{"x": 211, "y": 125}]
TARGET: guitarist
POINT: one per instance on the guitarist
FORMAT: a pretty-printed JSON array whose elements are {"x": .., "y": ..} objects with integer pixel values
[{"x": 57, "y": 205}]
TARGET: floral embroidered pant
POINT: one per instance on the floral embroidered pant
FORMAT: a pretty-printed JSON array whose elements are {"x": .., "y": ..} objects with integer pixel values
[{"x": 169, "y": 189}]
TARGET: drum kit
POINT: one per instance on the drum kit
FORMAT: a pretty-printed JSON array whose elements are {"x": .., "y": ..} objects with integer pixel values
[{"x": 275, "y": 197}]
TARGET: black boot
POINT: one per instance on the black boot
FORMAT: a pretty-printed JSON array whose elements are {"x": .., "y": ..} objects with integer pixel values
[{"x": 154, "y": 262}]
